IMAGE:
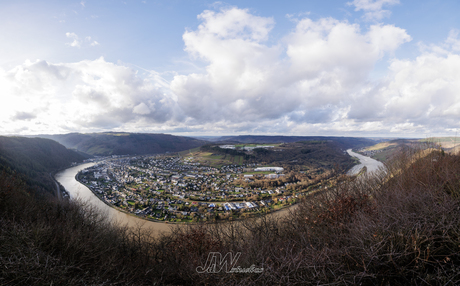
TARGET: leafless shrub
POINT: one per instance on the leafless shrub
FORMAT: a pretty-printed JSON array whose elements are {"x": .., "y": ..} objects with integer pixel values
[{"x": 398, "y": 227}]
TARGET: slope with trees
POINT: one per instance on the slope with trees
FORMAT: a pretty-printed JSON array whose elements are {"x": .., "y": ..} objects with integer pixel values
[
  {"x": 400, "y": 227},
  {"x": 121, "y": 143},
  {"x": 342, "y": 142},
  {"x": 35, "y": 158},
  {"x": 300, "y": 155}
]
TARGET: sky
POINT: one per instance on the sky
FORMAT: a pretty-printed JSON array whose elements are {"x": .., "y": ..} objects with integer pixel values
[{"x": 366, "y": 68}]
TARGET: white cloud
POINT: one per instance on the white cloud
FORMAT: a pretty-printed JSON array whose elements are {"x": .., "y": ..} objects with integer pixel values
[
  {"x": 452, "y": 40},
  {"x": 239, "y": 65},
  {"x": 418, "y": 96},
  {"x": 424, "y": 91},
  {"x": 76, "y": 41},
  {"x": 142, "y": 109},
  {"x": 248, "y": 82},
  {"x": 315, "y": 80},
  {"x": 329, "y": 44},
  {"x": 296, "y": 16},
  {"x": 86, "y": 95},
  {"x": 373, "y": 8}
]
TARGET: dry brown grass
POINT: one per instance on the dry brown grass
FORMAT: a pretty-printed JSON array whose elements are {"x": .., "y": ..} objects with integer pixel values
[
  {"x": 401, "y": 227},
  {"x": 381, "y": 146}
]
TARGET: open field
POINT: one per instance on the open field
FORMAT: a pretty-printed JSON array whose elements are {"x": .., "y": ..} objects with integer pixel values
[
  {"x": 213, "y": 160},
  {"x": 188, "y": 152},
  {"x": 381, "y": 146}
]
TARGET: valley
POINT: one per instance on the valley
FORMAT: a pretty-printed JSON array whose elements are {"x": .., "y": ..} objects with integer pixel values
[{"x": 232, "y": 183}]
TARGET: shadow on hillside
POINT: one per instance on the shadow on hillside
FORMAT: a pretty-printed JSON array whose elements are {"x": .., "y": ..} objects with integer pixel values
[{"x": 399, "y": 227}]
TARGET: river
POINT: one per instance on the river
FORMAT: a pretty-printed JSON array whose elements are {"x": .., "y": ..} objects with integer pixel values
[
  {"x": 371, "y": 164},
  {"x": 78, "y": 191}
]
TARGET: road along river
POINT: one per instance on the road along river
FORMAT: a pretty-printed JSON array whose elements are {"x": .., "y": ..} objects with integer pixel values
[
  {"x": 79, "y": 191},
  {"x": 371, "y": 164}
]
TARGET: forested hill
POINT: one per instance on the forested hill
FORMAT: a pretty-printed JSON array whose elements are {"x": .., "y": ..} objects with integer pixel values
[
  {"x": 343, "y": 142},
  {"x": 111, "y": 143},
  {"x": 35, "y": 158},
  {"x": 298, "y": 155}
]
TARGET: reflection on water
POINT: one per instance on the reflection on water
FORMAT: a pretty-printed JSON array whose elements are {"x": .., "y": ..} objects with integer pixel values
[
  {"x": 81, "y": 192},
  {"x": 371, "y": 164}
]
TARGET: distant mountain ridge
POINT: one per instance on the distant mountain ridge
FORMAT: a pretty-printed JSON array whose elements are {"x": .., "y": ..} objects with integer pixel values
[
  {"x": 344, "y": 142},
  {"x": 122, "y": 143}
]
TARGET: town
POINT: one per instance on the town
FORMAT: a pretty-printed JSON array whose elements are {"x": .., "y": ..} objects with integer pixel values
[
  {"x": 368, "y": 153},
  {"x": 172, "y": 188}
]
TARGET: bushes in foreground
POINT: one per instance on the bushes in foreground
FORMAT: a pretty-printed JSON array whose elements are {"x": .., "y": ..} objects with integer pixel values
[
  {"x": 399, "y": 227},
  {"x": 44, "y": 242}
]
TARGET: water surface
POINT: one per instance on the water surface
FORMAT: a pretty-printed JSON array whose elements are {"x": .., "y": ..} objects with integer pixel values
[
  {"x": 371, "y": 164},
  {"x": 79, "y": 191}
]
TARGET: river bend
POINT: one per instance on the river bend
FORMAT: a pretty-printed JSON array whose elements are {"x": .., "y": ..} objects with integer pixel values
[
  {"x": 371, "y": 164},
  {"x": 81, "y": 192}
]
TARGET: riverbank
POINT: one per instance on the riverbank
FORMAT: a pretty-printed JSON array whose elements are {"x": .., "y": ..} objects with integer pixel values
[
  {"x": 371, "y": 165},
  {"x": 268, "y": 212},
  {"x": 108, "y": 204},
  {"x": 278, "y": 207},
  {"x": 80, "y": 192}
]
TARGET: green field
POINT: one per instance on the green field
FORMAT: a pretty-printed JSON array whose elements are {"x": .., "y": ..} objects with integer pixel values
[
  {"x": 188, "y": 152},
  {"x": 211, "y": 159}
]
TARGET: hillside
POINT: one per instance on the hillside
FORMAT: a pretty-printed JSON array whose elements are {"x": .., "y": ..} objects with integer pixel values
[
  {"x": 343, "y": 142},
  {"x": 386, "y": 150},
  {"x": 111, "y": 143},
  {"x": 449, "y": 144},
  {"x": 300, "y": 155},
  {"x": 399, "y": 228},
  {"x": 35, "y": 158}
]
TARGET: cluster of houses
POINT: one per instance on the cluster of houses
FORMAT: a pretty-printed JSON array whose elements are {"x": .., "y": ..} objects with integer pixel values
[
  {"x": 170, "y": 187},
  {"x": 369, "y": 153}
]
